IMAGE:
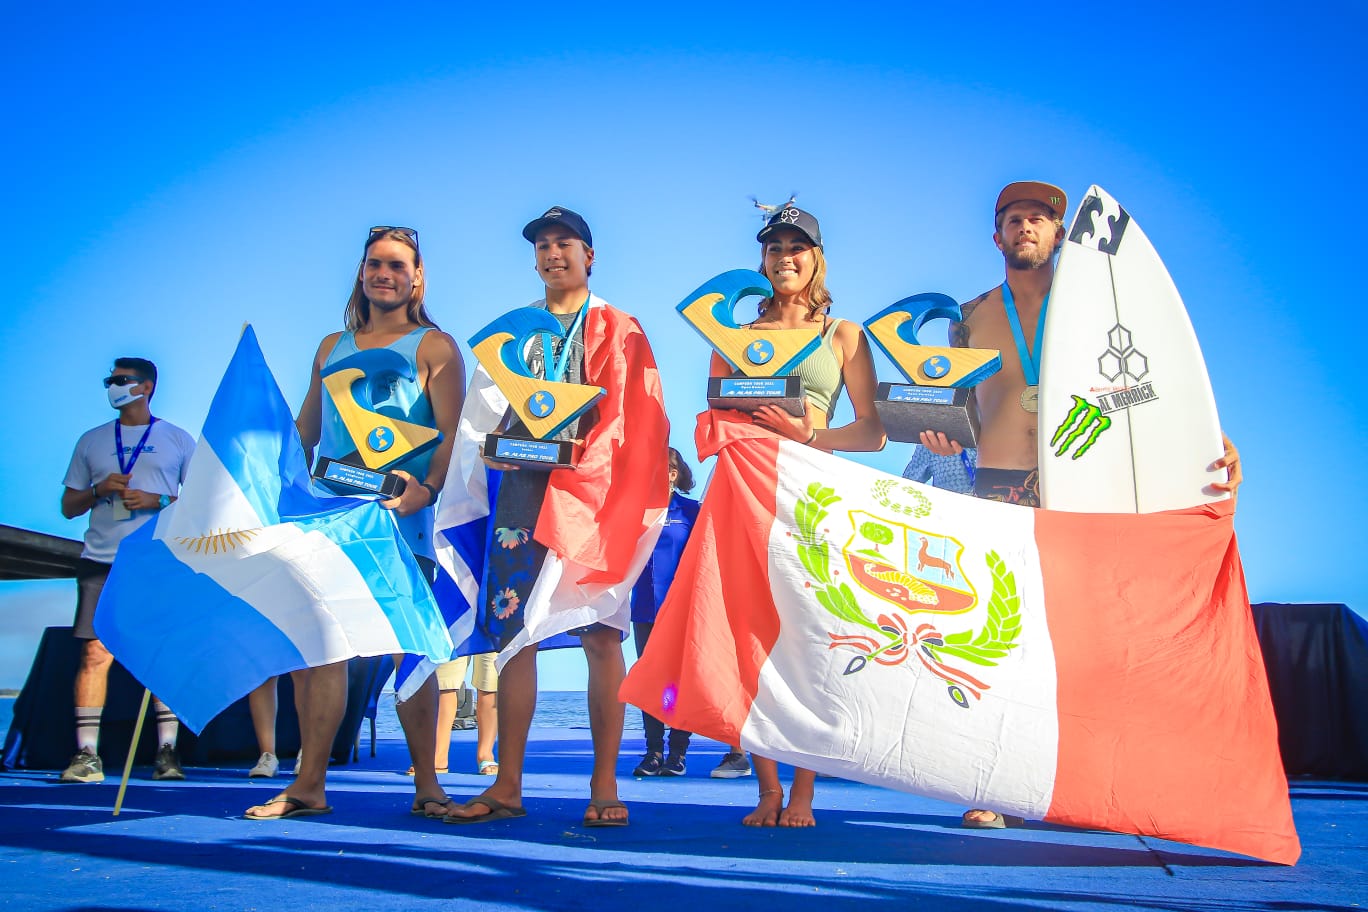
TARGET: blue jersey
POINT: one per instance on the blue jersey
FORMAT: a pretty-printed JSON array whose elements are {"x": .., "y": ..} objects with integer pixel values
[{"x": 649, "y": 592}]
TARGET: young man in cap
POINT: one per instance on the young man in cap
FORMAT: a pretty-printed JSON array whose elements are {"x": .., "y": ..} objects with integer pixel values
[
  {"x": 123, "y": 473},
  {"x": 1029, "y": 223},
  {"x": 414, "y": 370},
  {"x": 569, "y": 541}
]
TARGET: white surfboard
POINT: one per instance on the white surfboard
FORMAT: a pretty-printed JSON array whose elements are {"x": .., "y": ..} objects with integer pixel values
[{"x": 1128, "y": 421}]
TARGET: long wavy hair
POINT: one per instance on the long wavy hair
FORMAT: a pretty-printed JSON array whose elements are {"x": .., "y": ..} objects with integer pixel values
[
  {"x": 818, "y": 298},
  {"x": 357, "y": 315}
]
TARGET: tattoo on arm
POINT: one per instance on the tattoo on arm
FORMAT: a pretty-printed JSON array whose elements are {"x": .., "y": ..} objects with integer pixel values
[
  {"x": 959, "y": 335},
  {"x": 959, "y": 331}
]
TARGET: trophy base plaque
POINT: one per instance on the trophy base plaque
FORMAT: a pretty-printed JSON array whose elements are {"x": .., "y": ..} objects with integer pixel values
[
  {"x": 531, "y": 453},
  {"x": 908, "y": 409},
  {"x": 749, "y": 393},
  {"x": 345, "y": 478}
]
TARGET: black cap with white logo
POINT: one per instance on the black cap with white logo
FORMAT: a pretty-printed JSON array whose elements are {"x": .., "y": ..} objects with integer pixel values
[
  {"x": 559, "y": 215},
  {"x": 790, "y": 216}
]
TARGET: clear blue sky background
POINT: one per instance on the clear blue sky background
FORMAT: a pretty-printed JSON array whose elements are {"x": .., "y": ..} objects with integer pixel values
[{"x": 172, "y": 172}]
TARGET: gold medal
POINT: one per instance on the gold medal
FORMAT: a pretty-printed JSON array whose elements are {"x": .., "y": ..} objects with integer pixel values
[{"x": 1030, "y": 398}]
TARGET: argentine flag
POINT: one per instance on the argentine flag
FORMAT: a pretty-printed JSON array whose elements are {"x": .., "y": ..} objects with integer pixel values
[{"x": 251, "y": 573}]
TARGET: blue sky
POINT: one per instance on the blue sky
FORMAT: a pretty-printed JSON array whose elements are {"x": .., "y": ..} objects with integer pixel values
[{"x": 174, "y": 172}]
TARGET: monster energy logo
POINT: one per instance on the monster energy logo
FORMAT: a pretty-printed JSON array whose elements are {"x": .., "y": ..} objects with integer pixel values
[{"x": 1083, "y": 418}]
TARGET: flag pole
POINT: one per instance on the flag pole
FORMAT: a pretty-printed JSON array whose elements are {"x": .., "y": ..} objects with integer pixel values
[{"x": 132, "y": 749}]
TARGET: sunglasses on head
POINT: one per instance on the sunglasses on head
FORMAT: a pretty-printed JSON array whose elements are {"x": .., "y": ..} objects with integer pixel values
[
  {"x": 122, "y": 380},
  {"x": 410, "y": 233}
]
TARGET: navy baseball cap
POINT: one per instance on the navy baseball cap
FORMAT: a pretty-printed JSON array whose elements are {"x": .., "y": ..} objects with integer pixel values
[
  {"x": 791, "y": 216},
  {"x": 559, "y": 215}
]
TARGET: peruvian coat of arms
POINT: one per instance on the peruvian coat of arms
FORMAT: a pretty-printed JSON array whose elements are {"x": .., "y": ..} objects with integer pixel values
[{"x": 916, "y": 576}]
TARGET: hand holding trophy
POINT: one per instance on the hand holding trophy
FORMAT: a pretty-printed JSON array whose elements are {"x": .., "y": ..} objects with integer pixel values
[{"x": 936, "y": 398}]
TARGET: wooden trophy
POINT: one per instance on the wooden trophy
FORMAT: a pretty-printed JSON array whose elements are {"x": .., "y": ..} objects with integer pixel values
[
  {"x": 358, "y": 386},
  {"x": 544, "y": 406},
  {"x": 762, "y": 360},
  {"x": 936, "y": 398}
]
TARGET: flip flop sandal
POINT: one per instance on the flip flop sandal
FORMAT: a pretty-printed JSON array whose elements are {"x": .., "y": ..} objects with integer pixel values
[
  {"x": 297, "y": 809},
  {"x": 999, "y": 822},
  {"x": 600, "y": 820},
  {"x": 497, "y": 811},
  {"x": 419, "y": 808}
]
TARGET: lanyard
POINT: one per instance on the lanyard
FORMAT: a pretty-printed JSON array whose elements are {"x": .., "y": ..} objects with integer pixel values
[
  {"x": 137, "y": 450},
  {"x": 1030, "y": 363},
  {"x": 556, "y": 370}
]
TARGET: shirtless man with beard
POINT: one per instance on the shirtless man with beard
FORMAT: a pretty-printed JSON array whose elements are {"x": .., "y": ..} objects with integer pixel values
[{"x": 1029, "y": 223}]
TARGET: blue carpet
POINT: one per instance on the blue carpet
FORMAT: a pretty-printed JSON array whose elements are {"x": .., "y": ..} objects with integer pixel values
[{"x": 183, "y": 846}]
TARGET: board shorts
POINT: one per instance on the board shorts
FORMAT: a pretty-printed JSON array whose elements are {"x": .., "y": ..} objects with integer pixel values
[
  {"x": 485, "y": 678},
  {"x": 90, "y": 580},
  {"x": 516, "y": 559},
  {"x": 1013, "y": 486}
]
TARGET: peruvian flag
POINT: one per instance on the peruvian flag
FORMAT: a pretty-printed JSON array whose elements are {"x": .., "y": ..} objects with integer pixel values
[{"x": 1094, "y": 670}]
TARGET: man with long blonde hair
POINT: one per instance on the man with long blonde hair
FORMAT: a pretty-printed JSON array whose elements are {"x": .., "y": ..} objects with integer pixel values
[{"x": 410, "y": 368}]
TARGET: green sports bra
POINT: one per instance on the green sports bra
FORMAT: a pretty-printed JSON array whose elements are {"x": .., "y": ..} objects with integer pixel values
[{"x": 820, "y": 372}]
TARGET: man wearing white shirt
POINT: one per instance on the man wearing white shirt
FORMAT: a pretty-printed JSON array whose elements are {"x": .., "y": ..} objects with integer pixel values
[{"x": 123, "y": 473}]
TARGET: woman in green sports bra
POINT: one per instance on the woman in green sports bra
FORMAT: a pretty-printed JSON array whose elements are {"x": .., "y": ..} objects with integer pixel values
[{"x": 792, "y": 259}]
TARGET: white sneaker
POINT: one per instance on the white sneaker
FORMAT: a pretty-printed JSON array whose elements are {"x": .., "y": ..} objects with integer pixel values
[{"x": 266, "y": 767}]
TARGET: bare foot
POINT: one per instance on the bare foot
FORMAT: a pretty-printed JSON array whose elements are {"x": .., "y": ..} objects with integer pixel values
[
  {"x": 280, "y": 807},
  {"x": 766, "y": 813},
  {"x": 799, "y": 811},
  {"x": 978, "y": 816}
]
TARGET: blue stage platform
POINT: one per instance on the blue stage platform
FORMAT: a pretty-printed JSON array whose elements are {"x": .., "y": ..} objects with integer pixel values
[{"x": 183, "y": 846}]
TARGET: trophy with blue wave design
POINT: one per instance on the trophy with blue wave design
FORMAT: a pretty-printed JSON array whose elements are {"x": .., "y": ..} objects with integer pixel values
[
  {"x": 936, "y": 396},
  {"x": 761, "y": 360},
  {"x": 545, "y": 406},
  {"x": 374, "y": 417}
]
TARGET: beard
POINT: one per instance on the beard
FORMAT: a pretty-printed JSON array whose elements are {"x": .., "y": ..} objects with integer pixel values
[
  {"x": 387, "y": 306},
  {"x": 1032, "y": 257}
]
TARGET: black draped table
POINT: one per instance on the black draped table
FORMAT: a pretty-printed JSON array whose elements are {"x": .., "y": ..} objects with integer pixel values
[{"x": 43, "y": 735}]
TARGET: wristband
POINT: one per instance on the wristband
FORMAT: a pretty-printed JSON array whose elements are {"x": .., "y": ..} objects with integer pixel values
[
  {"x": 432, "y": 492},
  {"x": 810, "y": 439}
]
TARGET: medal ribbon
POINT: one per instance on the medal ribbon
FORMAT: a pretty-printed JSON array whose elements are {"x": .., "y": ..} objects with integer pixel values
[
  {"x": 1030, "y": 362},
  {"x": 137, "y": 450},
  {"x": 556, "y": 370}
]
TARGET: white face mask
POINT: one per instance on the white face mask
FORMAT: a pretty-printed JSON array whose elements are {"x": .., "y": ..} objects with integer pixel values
[{"x": 119, "y": 396}]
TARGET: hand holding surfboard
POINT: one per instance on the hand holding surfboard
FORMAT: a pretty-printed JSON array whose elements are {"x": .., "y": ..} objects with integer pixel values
[{"x": 1128, "y": 420}]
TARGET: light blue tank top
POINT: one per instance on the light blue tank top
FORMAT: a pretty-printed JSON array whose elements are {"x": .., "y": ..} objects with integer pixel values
[{"x": 391, "y": 388}]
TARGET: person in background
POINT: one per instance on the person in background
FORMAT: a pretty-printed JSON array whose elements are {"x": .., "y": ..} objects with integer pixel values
[
  {"x": 485, "y": 678},
  {"x": 262, "y": 703},
  {"x": 647, "y": 596},
  {"x": 950, "y": 473},
  {"x": 122, "y": 473}
]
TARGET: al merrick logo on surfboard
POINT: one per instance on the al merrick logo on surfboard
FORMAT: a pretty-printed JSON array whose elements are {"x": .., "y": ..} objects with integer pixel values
[{"x": 1121, "y": 363}]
